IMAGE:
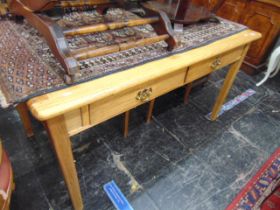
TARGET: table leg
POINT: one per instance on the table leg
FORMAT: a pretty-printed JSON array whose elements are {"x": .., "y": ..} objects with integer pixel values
[
  {"x": 62, "y": 146},
  {"x": 25, "y": 118},
  {"x": 150, "y": 111},
  {"x": 126, "y": 123},
  {"x": 188, "y": 89},
  {"x": 227, "y": 84}
]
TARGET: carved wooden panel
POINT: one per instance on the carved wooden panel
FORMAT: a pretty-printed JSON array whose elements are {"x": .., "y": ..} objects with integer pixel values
[
  {"x": 259, "y": 15},
  {"x": 232, "y": 10},
  {"x": 267, "y": 21}
]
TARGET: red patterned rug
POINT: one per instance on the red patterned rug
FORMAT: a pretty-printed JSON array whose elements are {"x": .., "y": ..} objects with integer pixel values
[{"x": 263, "y": 190}]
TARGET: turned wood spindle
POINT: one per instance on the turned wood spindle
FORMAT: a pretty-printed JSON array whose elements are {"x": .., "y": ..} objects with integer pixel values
[
  {"x": 90, "y": 52},
  {"x": 109, "y": 26}
]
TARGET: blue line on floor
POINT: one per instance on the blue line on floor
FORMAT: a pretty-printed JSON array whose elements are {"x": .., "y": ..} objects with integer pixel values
[
  {"x": 234, "y": 102},
  {"x": 116, "y": 196}
]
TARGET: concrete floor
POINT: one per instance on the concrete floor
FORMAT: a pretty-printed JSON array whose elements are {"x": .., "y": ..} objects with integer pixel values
[{"x": 180, "y": 161}]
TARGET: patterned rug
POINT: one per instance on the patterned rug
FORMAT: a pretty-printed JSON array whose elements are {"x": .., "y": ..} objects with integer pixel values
[
  {"x": 28, "y": 68},
  {"x": 263, "y": 191}
]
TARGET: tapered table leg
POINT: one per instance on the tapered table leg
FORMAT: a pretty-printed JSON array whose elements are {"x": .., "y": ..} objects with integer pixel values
[
  {"x": 150, "y": 111},
  {"x": 188, "y": 89},
  {"x": 227, "y": 84},
  {"x": 126, "y": 123},
  {"x": 25, "y": 118},
  {"x": 62, "y": 146}
]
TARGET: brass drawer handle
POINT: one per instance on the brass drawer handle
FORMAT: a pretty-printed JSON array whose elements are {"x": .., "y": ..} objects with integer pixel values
[
  {"x": 216, "y": 63},
  {"x": 144, "y": 95}
]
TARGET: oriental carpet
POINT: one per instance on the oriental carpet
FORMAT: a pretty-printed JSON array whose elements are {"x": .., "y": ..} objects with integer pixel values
[{"x": 28, "y": 68}]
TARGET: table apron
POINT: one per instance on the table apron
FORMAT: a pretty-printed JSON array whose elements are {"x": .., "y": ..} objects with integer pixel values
[{"x": 97, "y": 112}]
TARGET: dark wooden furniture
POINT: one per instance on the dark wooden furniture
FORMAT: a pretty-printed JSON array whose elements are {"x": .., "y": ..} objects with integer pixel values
[
  {"x": 185, "y": 11},
  {"x": 56, "y": 37},
  {"x": 157, "y": 13},
  {"x": 260, "y": 15}
]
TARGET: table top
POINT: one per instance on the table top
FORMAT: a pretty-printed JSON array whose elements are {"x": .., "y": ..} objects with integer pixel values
[{"x": 56, "y": 103}]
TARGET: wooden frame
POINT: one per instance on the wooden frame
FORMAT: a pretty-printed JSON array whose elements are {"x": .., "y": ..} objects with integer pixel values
[
  {"x": 56, "y": 37},
  {"x": 75, "y": 109}
]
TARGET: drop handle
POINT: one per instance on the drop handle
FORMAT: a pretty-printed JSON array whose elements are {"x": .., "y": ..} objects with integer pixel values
[
  {"x": 216, "y": 63},
  {"x": 144, "y": 95}
]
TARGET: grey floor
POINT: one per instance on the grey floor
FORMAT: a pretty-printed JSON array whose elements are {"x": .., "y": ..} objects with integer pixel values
[{"x": 180, "y": 161}]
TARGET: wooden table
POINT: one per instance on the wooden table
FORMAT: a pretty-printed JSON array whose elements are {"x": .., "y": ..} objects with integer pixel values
[{"x": 72, "y": 110}]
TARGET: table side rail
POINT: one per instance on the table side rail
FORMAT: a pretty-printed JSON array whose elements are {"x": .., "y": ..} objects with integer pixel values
[
  {"x": 59, "y": 102},
  {"x": 92, "y": 114}
]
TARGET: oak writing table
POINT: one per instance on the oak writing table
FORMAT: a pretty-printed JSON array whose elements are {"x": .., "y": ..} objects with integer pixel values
[{"x": 72, "y": 110}]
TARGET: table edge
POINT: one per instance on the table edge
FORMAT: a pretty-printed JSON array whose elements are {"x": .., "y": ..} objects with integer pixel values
[{"x": 49, "y": 105}]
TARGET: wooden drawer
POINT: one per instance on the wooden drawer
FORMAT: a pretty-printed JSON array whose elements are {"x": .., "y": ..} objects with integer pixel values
[
  {"x": 118, "y": 104},
  {"x": 204, "y": 68},
  {"x": 95, "y": 113}
]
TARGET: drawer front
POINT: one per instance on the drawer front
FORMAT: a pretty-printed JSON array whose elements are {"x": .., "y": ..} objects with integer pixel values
[
  {"x": 108, "y": 108},
  {"x": 204, "y": 68},
  {"x": 95, "y": 113}
]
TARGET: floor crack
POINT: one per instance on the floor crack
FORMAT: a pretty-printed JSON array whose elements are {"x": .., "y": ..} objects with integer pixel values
[
  {"x": 134, "y": 185},
  {"x": 243, "y": 138},
  {"x": 168, "y": 131}
]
